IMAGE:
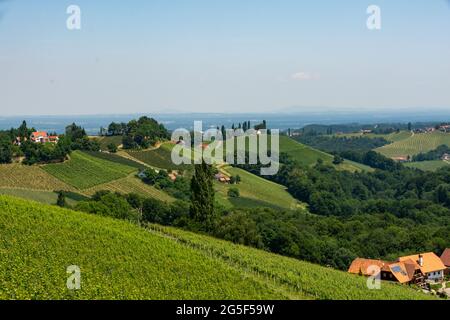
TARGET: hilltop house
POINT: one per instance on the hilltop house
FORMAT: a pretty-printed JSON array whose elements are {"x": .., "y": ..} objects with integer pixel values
[
  {"x": 445, "y": 258},
  {"x": 43, "y": 137},
  {"x": 445, "y": 157},
  {"x": 406, "y": 270}
]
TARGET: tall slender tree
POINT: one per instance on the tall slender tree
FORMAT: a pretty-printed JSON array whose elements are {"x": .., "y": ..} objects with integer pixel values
[{"x": 202, "y": 196}]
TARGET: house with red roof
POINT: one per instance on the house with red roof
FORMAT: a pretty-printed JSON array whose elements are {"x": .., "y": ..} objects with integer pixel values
[
  {"x": 43, "y": 137},
  {"x": 445, "y": 258}
]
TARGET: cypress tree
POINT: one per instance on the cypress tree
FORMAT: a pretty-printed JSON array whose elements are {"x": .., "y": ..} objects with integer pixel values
[{"x": 202, "y": 195}]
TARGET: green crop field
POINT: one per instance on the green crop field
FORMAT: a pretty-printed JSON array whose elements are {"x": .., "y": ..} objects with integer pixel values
[
  {"x": 19, "y": 176},
  {"x": 309, "y": 156},
  {"x": 119, "y": 260},
  {"x": 415, "y": 144},
  {"x": 131, "y": 184},
  {"x": 84, "y": 171},
  {"x": 427, "y": 165},
  {"x": 256, "y": 191}
]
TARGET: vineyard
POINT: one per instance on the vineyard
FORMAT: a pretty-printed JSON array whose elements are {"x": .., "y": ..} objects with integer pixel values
[
  {"x": 83, "y": 171},
  {"x": 29, "y": 177},
  {"x": 415, "y": 144},
  {"x": 131, "y": 184},
  {"x": 158, "y": 158},
  {"x": 117, "y": 159},
  {"x": 157, "y": 263}
]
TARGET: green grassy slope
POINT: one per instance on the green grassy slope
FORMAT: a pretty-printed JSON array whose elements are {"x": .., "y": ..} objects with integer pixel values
[
  {"x": 255, "y": 191},
  {"x": 46, "y": 197},
  {"x": 391, "y": 137},
  {"x": 309, "y": 156},
  {"x": 105, "y": 141},
  {"x": 157, "y": 158},
  {"x": 84, "y": 171},
  {"x": 415, "y": 144},
  {"x": 119, "y": 260}
]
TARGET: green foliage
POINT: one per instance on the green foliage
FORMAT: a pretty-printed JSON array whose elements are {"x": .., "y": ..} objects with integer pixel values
[
  {"x": 234, "y": 193},
  {"x": 142, "y": 133},
  {"x": 6, "y": 150},
  {"x": 202, "y": 195},
  {"x": 61, "y": 201},
  {"x": 112, "y": 148},
  {"x": 179, "y": 189},
  {"x": 109, "y": 205}
]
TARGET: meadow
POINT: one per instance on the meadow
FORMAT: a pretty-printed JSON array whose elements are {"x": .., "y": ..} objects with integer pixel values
[
  {"x": 119, "y": 260},
  {"x": 255, "y": 192},
  {"x": 160, "y": 158},
  {"x": 83, "y": 171}
]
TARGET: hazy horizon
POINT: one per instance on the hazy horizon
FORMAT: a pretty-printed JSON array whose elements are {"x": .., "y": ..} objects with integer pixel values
[{"x": 223, "y": 57}]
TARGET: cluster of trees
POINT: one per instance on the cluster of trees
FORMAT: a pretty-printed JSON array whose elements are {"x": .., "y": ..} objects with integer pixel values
[
  {"x": 178, "y": 188},
  {"x": 141, "y": 133},
  {"x": 75, "y": 138},
  {"x": 433, "y": 154}
]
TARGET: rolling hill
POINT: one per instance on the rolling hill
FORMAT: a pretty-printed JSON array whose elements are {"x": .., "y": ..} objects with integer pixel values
[
  {"x": 119, "y": 260},
  {"x": 415, "y": 144},
  {"x": 308, "y": 156}
]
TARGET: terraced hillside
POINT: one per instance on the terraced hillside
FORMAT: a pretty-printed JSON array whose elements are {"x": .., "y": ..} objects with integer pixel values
[
  {"x": 309, "y": 156},
  {"x": 158, "y": 158},
  {"x": 38, "y": 244},
  {"x": 415, "y": 144},
  {"x": 83, "y": 171}
]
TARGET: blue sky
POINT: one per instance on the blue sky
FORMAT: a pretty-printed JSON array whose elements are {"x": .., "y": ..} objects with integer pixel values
[{"x": 222, "y": 56}]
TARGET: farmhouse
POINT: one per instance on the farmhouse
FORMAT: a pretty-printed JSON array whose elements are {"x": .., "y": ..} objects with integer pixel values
[
  {"x": 445, "y": 258},
  {"x": 406, "y": 270},
  {"x": 429, "y": 264},
  {"x": 43, "y": 137},
  {"x": 445, "y": 157}
]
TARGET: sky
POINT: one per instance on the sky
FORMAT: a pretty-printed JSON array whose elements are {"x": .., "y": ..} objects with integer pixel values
[{"x": 224, "y": 56}]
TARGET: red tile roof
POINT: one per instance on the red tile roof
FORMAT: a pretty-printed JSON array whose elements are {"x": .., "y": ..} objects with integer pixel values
[{"x": 446, "y": 257}]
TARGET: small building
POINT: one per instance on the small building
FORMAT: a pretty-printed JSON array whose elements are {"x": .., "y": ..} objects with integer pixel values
[
  {"x": 39, "y": 137},
  {"x": 445, "y": 258},
  {"x": 429, "y": 264},
  {"x": 445, "y": 157},
  {"x": 222, "y": 178},
  {"x": 366, "y": 267},
  {"x": 401, "y": 159}
]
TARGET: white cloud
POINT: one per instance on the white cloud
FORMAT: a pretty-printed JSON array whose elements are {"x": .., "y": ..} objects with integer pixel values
[{"x": 305, "y": 76}]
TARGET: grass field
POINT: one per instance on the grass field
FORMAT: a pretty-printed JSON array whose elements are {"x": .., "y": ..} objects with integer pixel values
[
  {"x": 131, "y": 184},
  {"x": 309, "y": 156},
  {"x": 83, "y": 171},
  {"x": 427, "y": 165},
  {"x": 19, "y": 176},
  {"x": 415, "y": 144},
  {"x": 119, "y": 260},
  {"x": 255, "y": 191}
]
